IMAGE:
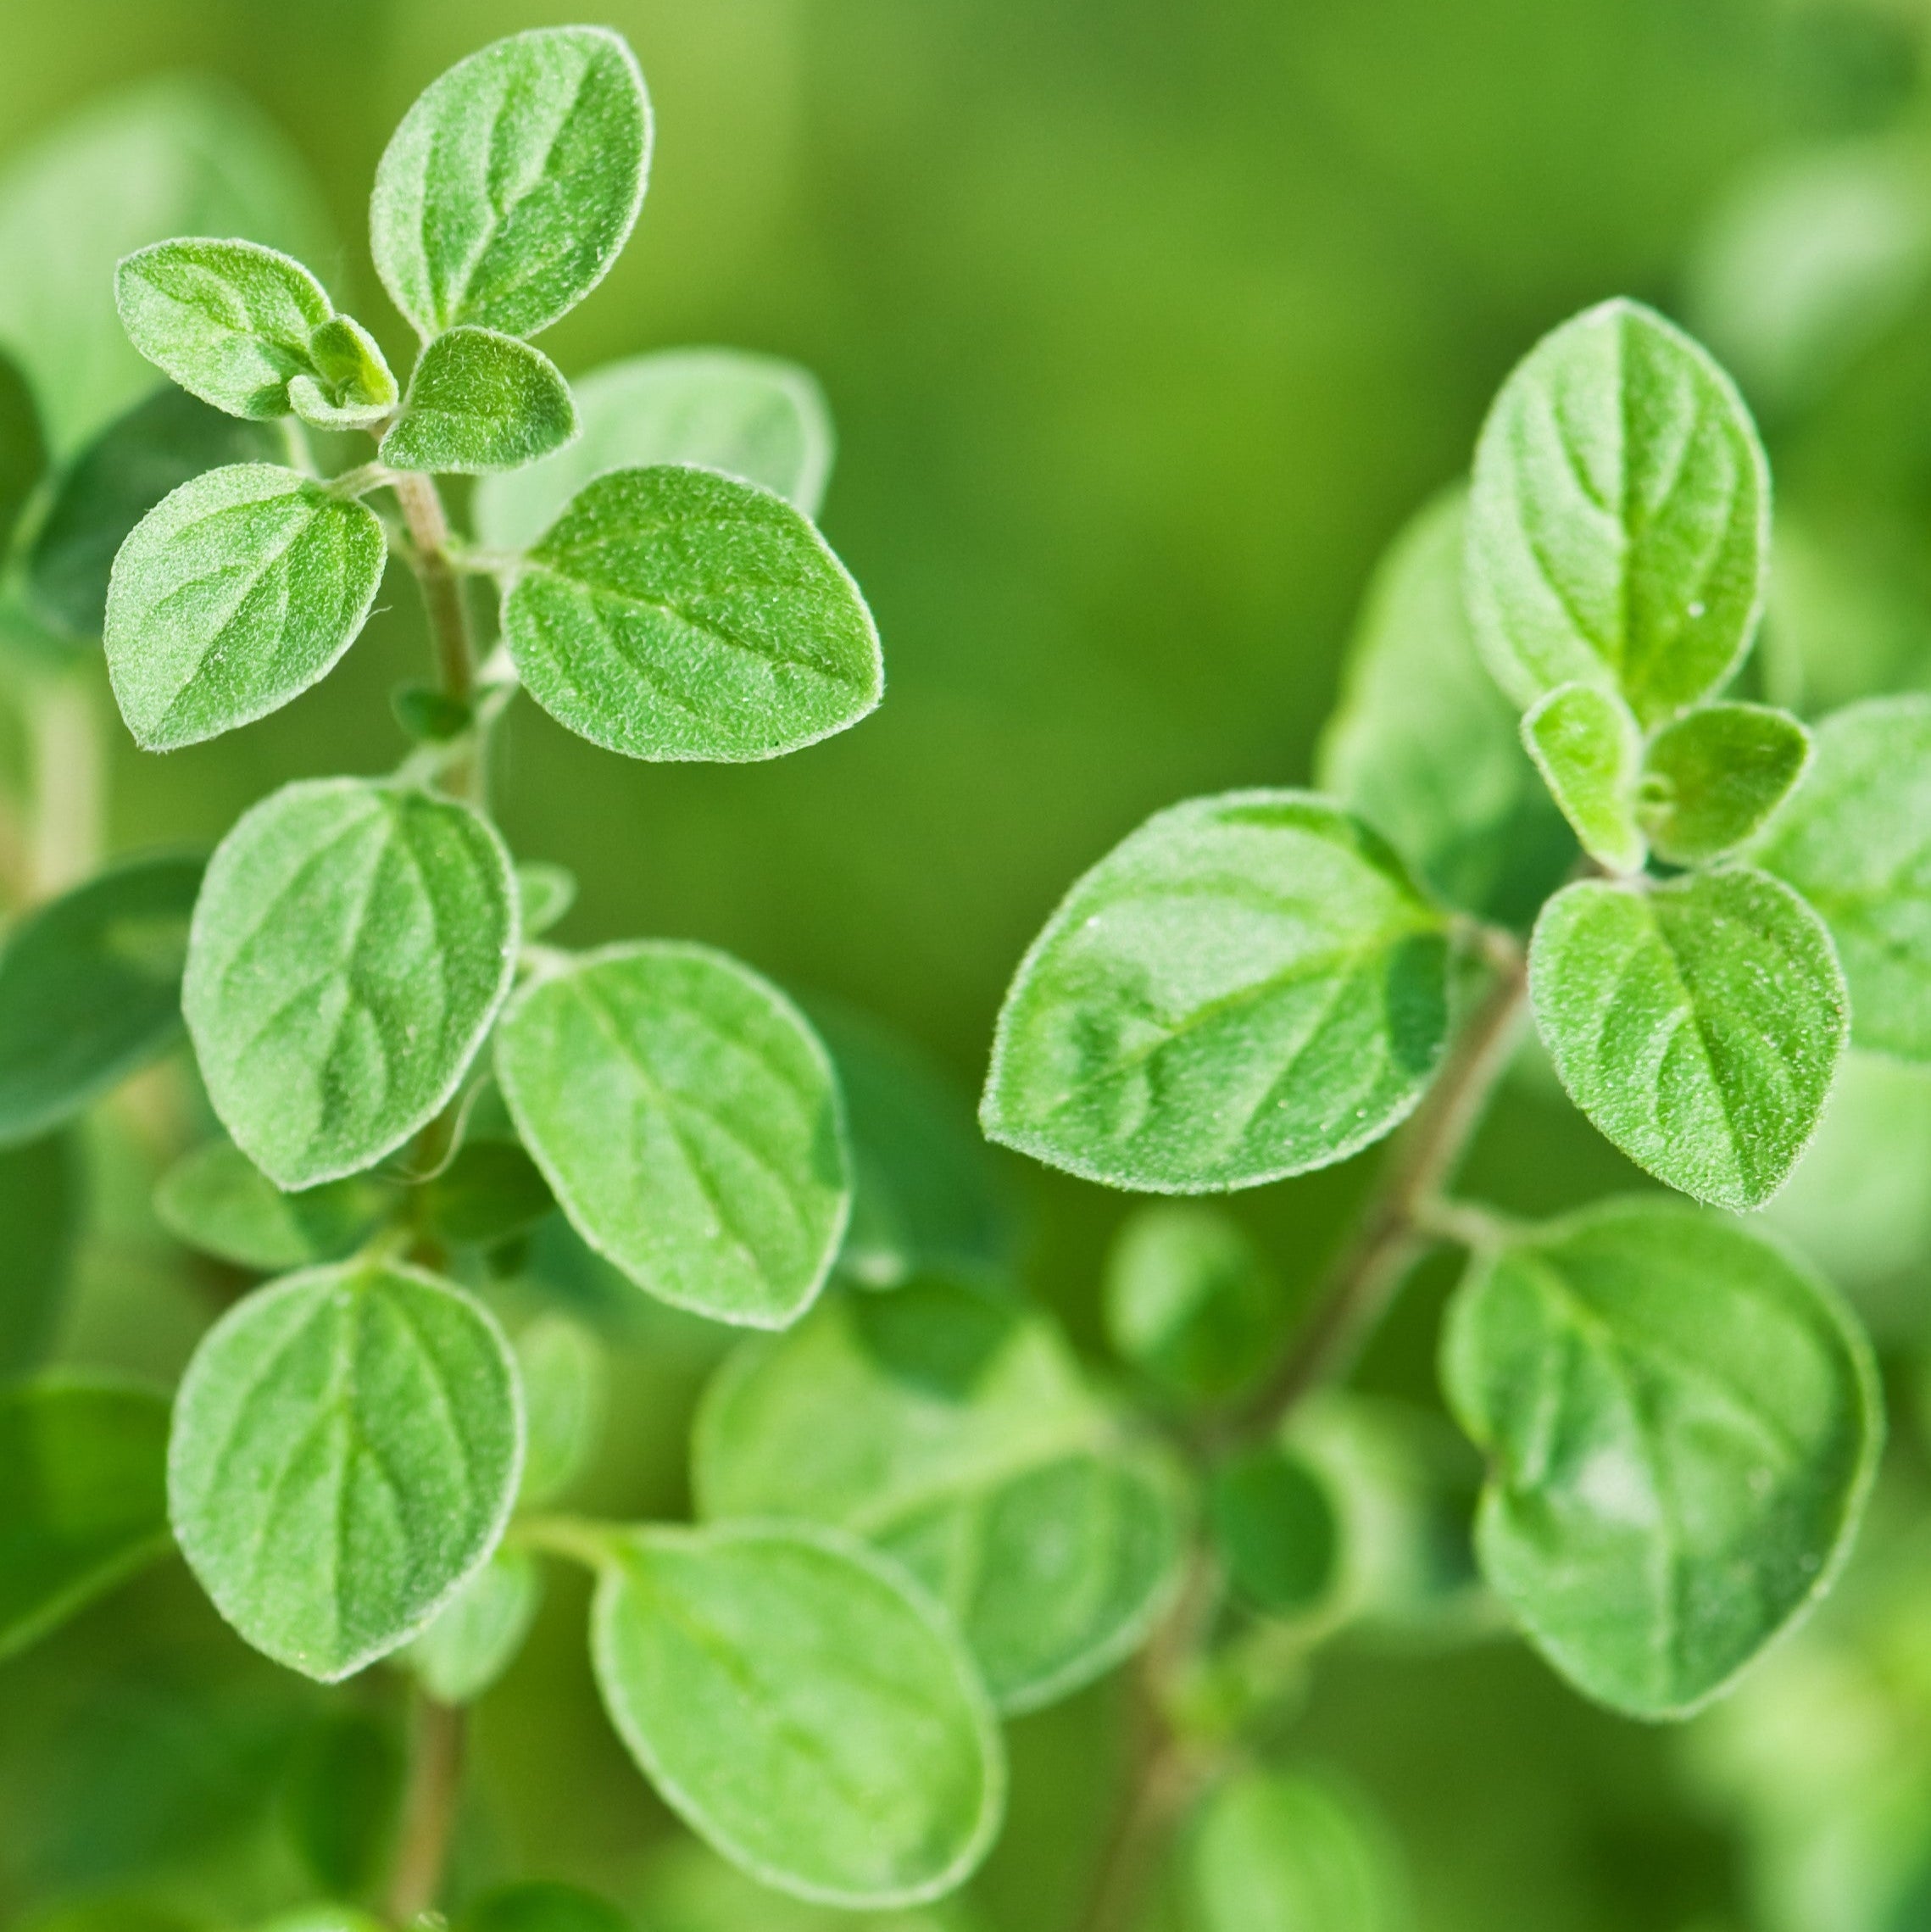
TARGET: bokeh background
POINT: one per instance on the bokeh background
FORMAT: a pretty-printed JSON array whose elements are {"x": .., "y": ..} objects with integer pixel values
[{"x": 1144, "y": 327}]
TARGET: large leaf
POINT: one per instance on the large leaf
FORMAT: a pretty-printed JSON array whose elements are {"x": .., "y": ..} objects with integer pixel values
[
  {"x": 1855, "y": 840},
  {"x": 1711, "y": 778},
  {"x": 674, "y": 613},
  {"x": 83, "y": 1498},
  {"x": 1619, "y": 526},
  {"x": 235, "y": 594},
  {"x": 479, "y": 401},
  {"x": 345, "y": 1454},
  {"x": 91, "y": 990},
  {"x": 751, "y": 416},
  {"x": 39, "y": 1209},
  {"x": 215, "y": 1198},
  {"x": 1248, "y": 987},
  {"x": 507, "y": 190},
  {"x": 1682, "y": 1423},
  {"x": 689, "y": 1122},
  {"x": 351, "y": 946},
  {"x": 1699, "y": 1024},
  {"x": 798, "y": 1705},
  {"x": 23, "y": 449}
]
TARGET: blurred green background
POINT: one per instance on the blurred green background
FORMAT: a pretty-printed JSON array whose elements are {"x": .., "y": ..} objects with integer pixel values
[{"x": 1144, "y": 327}]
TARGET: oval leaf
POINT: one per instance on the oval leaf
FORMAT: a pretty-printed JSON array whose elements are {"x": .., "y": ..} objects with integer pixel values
[
  {"x": 479, "y": 401},
  {"x": 235, "y": 593},
  {"x": 1682, "y": 1423},
  {"x": 1248, "y": 987},
  {"x": 801, "y": 1708},
  {"x": 512, "y": 184},
  {"x": 478, "y": 1634},
  {"x": 565, "y": 1378},
  {"x": 346, "y": 1448},
  {"x": 1276, "y": 1529},
  {"x": 350, "y": 386},
  {"x": 689, "y": 1123},
  {"x": 1589, "y": 752},
  {"x": 216, "y": 1200},
  {"x": 1712, "y": 779},
  {"x": 1619, "y": 526},
  {"x": 673, "y": 613},
  {"x": 351, "y": 946},
  {"x": 1698, "y": 1024}
]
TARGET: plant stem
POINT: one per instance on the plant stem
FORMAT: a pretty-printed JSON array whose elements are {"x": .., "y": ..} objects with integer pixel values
[
  {"x": 429, "y": 1810},
  {"x": 70, "y": 782},
  {"x": 445, "y": 600}
]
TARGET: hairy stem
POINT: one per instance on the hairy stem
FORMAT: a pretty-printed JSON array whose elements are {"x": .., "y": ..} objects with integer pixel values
[
  {"x": 429, "y": 1810},
  {"x": 445, "y": 599}
]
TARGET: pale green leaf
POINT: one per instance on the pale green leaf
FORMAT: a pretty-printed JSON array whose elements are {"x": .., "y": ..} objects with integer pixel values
[
  {"x": 566, "y": 1381},
  {"x": 1697, "y": 1023},
  {"x": 801, "y": 1707},
  {"x": 351, "y": 944},
  {"x": 23, "y": 449},
  {"x": 84, "y": 1503},
  {"x": 1276, "y": 1528},
  {"x": 1682, "y": 1423},
  {"x": 479, "y": 401},
  {"x": 216, "y": 1199},
  {"x": 513, "y": 183},
  {"x": 674, "y": 613},
  {"x": 751, "y": 416},
  {"x": 346, "y": 1448},
  {"x": 1619, "y": 526},
  {"x": 1587, "y": 748},
  {"x": 1712, "y": 777},
  {"x": 689, "y": 1123},
  {"x": 1855, "y": 840},
  {"x": 41, "y": 1202},
  {"x": 1248, "y": 987},
  {"x": 91, "y": 990},
  {"x": 539, "y": 1906},
  {"x": 351, "y": 386},
  {"x": 476, "y": 1634},
  {"x": 547, "y": 892}
]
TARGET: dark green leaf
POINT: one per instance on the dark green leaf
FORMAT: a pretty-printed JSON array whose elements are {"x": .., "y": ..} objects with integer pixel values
[
  {"x": 22, "y": 451},
  {"x": 215, "y": 1198},
  {"x": 342, "y": 1803},
  {"x": 479, "y": 401},
  {"x": 490, "y": 1191},
  {"x": 1587, "y": 748},
  {"x": 476, "y": 1634},
  {"x": 41, "y": 1200},
  {"x": 538, "y": 1906},
  {"x": 1276, "y": 1529},
  {"x": 429, "y": 715},
  {"x": 1713, "y": 776}
]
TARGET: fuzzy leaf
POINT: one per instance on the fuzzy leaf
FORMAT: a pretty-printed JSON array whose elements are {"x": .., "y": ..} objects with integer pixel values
[
  {"x": 214, "y": 1199},
  {"x": 513, "y": 183},
  {"x": 476, "y": 1634},
  {"x": 1618, "y": 530},
  {"x": 352, "y": 942},
  {"x": 41, "y": 1208},
  {"x": 1682, "y": 1423},
  {"x": 346, "y": 1448},
  {"x": 23, "y": 449},
  {"x": 1698, "y": 1024},
  {"x": 1711, "y": 778},
  {"x": 350, "y": 385},
  {"x": 1589, "y": 752},
  {"x": 674, "y": 613},
  {"x": 479, "y": 401},
  {"x": 1248, "y": 987}
]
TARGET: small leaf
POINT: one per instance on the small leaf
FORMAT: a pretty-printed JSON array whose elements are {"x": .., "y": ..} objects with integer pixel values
[
  {"x": 84, "y": 1505},
  {"x": 1248, "y": 987},
  {"x": 351, "y": 946},
  {"x": 801, "y": 1708},
  {"x": 1589, "y": 752},
  {"x": 751, "y": 416},
  {"x": 565, "y": 1378},
  {"x": 1190, "y": 1300},
  {"x": 342, "y": 1803},
  {"x": 429, "y": 715},
  {"x": 1618, "y": 530},
  {"x": 1277, "y": 1530},
  {"x": 479, "y": 401},
  {"x": 40, "y": 1206},
  {"x": 1711, "y": 778},
  {"x": 216, "y": 1199},
  {"x": 1855, "y": 840},
  {"x": 1682, "y": 1423},
  {"x": 689, "y": 1122},
  {"x": 137, "y": 461},
  {"x": 235, "y": 594},
  {"x": 228, "y": 320},
  {"x": 23, "y": 450},
  {"x": 352, "y": 386},
  {"x": 547, "y": 892},
  {"x": 513, "y": 183},
  {"x": 489, "y": 1192},
  {"x": 346, "y": 1448},
  {"x": 476, "y": 1634},
  {"x": 538, "y": 1906},
  {"x": 676, "y": 614},
  {"x": 91, "y": 990},
  {"x": 1698, "y": 1024}
]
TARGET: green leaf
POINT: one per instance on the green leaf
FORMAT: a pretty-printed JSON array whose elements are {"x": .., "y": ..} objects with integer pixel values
[
  {"x": 431, "y": 716},
  {"x": 216, "y": 1199},
  {"x": 1682, "y": 1423},
  {"x": 1191, "y": 1301},
  {"x": 351, "y": 944},
  {"x": 1422, "y": 745},
  {"x": 1855, "y": 841},
  {"x": 479, "y": 401},
  {"x": 548, "y": 893},
  {"x": 350, "y": 385},
  {"x": 1248, "y": 987},
  {"x": 1619, "y": 526},
  {"x": 324, "y": 1918},
  {"x": 751, "y": 416},
  {"x": 41, "y": 1202},
  {"x": 689, "y": 1122},
  {"x": 346, "y": 1450},
  {"x": 538, "y": 1906},
  {"x": 800, "y": 1707},
  {"x": 1277, "y": 1530},
  {"x": 342, "y": 1803},
  {"x": 23, "y": 449},
  {"x": 513, "y": 183},
  {"x": 137, "y": 461},
  {"x": 1289, "y": 1851},
  {"x": 235, "y": 593},
  {"x": 1589, "y": 752},
  {"x": 565, "y": 1386},
  {"x": 478, "y": 1634},
  {"x": 687, "y": 1888},
  {"x": 1711, "y": 778},
  {"x": 84, "y": 1503},
  {"x": 91, "y": 990},
  {"x": 678, "y": 614},
  {"x": 1697, "y": 1023},
  {"x": 490, "y": 1191}
]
